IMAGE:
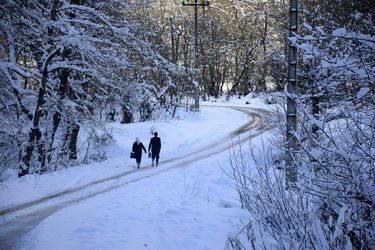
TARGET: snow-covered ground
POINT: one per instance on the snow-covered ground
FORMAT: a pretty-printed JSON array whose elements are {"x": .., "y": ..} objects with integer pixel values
[{"x": 190, "y": 207}]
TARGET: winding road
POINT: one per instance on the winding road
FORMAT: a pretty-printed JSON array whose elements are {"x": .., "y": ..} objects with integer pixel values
[{"x": 18, "y": 220}]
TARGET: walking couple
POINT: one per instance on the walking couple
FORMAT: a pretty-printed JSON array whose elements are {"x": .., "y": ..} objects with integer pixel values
[{"x": 153, "y": 150}]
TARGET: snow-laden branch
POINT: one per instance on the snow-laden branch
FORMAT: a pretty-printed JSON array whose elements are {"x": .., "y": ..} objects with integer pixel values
[
  {"x": 15, "y": 68},
  {"x": 49, "y": 57},
  {"x": 8, "y": 27},
  {"x": 68, "y": 65},
  {"x": 343, "y": 33},
  {"x": 88, "y": 10}
]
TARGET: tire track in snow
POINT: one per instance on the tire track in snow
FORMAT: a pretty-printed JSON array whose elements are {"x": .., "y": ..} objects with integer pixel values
[{"x": 17, "y": 220}]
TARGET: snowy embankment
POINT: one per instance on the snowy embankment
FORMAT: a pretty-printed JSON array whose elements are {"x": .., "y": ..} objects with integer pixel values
[{"x": 182, "y": 208}]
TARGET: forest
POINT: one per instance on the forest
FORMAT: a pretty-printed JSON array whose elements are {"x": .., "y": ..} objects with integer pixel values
[{"x": 67, "y": 67}]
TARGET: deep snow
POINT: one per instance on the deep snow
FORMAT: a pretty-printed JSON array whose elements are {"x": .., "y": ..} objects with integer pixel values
[{"x": 193, "y": 207}]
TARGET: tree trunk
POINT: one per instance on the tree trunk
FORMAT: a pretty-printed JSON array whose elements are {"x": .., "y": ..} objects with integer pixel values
[
  {"x": 112, "y": 115},
  {"x": 73, "y": 142},
  {"x": 56, "y": 123},
  {"x": 34, "y": 137},
  {"x": 127, "y": 116},
  {"x": 35, "y": 133},
  {"x": 57, "y": 116},
  {"x": 315, "y": 112}
]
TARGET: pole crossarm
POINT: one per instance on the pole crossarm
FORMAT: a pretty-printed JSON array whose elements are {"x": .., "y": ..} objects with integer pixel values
[{"x": 196, "y": 3}]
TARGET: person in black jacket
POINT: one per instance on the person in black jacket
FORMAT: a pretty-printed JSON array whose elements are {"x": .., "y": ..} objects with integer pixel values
[
  {"x": 154, "y": 146},
  {"x": 137, "y": 150}
]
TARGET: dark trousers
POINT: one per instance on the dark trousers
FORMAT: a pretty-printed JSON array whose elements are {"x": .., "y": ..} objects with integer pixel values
[
  {"x": 155, "y": 155},
  {"x": 138, "y": 160}
]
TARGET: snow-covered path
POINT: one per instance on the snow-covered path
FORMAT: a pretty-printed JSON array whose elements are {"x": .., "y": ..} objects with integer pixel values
[{"x": 136, "y": 220}]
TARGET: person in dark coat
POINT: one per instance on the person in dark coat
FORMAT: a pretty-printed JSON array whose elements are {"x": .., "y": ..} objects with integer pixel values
[
  {"x": 154, "y": 146},
  {"x": 137, "y": 150}
]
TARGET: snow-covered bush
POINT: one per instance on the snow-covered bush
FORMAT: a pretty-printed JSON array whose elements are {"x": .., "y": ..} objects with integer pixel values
[
  {"x": 332, "y": 206},
  {"x": 286, "y": 218}
]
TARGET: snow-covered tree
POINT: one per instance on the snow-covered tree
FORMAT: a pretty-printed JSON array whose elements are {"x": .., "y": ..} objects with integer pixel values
[{"x": 64, "y": 64}]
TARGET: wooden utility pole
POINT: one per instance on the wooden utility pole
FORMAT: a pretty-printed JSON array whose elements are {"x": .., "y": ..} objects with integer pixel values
[
  {"x": 197, "y": 65},
  {"x": 291, "y": 109}
]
